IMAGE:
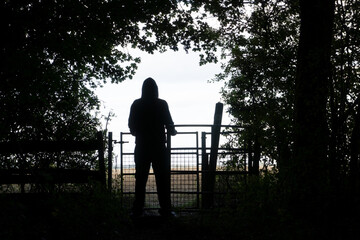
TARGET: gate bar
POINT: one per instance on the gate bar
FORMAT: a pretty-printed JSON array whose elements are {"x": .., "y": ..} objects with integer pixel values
[{"x": 110, "y": 149}]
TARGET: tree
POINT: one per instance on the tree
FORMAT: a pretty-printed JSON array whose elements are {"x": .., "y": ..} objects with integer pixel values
[
  {"x": 310, "y": 168},
  {"x": 260, "y": 74},
  {"x": 55, "y": 52},
  {"x": 260, "y": 43},
  {"x": 83, "y": 43},
  {"x": 343, "y": 105}
]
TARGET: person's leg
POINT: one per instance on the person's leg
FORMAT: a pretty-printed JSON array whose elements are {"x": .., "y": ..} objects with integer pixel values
[
  {"x": 161, "y": 168},
  {"x": 142, "y": 167}
]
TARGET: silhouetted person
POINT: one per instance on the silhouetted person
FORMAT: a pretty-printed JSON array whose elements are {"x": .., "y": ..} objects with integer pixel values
[{"x": 149, "y": 116}]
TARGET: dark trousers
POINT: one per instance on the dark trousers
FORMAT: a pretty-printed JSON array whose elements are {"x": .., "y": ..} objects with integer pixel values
[{"x": 144, "y": 157}]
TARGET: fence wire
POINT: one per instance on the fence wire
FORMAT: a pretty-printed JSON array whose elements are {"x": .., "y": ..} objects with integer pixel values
[{"x": 186, "y": 175}]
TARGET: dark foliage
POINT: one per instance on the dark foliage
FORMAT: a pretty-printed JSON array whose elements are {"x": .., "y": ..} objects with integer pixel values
[
  {"x": 261, "y": 45},
  {"x": 54, "y": 52}
]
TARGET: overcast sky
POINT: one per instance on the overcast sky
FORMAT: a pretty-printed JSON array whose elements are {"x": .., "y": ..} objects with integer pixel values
[{"x": 181, "y": 81}]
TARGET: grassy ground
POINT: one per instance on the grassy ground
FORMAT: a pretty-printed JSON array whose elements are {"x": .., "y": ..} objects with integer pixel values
[{"x": 257, "y": 213}]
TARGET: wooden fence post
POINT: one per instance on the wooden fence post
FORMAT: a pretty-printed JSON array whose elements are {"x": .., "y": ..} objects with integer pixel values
[
  {"x": 101, "y": 158},
  {"x": 215, "y": 137},
  {"x": 254, "y": 156},
  {"x": 250, "y": 157},
  {"x": 256, "y": 163},
  {"x": 110, "y": 150}
]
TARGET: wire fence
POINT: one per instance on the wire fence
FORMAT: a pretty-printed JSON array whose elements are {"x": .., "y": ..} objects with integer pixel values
[{"x": 187, "y": 172}]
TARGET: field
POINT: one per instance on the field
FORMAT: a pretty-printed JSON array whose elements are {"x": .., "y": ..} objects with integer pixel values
[{"x": 184, "y": 186}]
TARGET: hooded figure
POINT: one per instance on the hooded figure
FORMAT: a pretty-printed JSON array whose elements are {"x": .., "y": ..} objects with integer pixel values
[{"x": 149, "y": 116}]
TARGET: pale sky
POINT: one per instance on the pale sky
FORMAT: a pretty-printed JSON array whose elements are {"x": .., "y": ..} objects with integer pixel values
[{"x": 181, "y": 82}]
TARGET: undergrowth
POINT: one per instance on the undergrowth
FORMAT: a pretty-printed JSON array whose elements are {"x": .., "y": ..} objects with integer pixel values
[{"x": 258, "y": 210}]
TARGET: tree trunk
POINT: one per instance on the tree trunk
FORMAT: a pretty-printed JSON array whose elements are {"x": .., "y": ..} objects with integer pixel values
[
  {"x": 310, "y": 164},
  {"x": 355, "y": 146}
]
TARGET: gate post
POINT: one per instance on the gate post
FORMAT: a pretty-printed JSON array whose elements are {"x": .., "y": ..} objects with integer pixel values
[
  {"x": 204, "y": 155},
  {"x": 110, "y": 150},
  {"x": 121, "y": 168},
  {"x": 250, "y": 157},
  {"x": 256, "y": 163},
  {"x": 101, "y": 158},
  {"x": 168, "y": 156},
  {"x": 205, "y": 200},
  {"x": 215, "y": 137},
  {"x": 254, "y": 156}
]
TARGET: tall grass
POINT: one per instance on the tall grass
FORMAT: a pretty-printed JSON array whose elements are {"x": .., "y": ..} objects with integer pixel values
[{"x": 257, "y": 208}]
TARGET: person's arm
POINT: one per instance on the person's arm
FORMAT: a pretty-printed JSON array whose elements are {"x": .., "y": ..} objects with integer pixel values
[
  {"x": 168, "y": 120},
  {"x": 171, "y": 129}
]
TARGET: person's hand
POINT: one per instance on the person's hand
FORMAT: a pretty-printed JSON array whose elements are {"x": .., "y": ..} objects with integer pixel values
[
  {"x": 173, "y": 132},
  {"x": 171, "y": 129}
]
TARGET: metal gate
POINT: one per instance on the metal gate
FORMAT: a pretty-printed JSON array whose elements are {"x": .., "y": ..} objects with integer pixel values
[
  {"x": 185, "y": 172},
  {"x": 194, "y": 176}
]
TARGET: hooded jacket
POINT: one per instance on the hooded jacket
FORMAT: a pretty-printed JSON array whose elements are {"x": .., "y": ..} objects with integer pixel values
[{"x": 149, "y": 116}]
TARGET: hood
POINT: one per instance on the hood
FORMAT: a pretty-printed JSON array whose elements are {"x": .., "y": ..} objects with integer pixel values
[{"x": 150, "y": 89}]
